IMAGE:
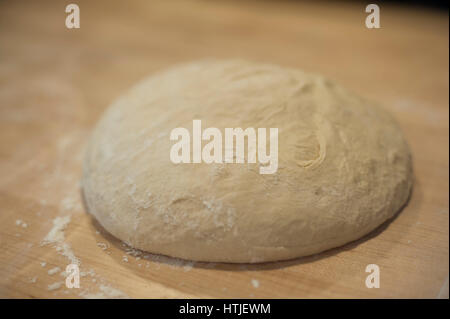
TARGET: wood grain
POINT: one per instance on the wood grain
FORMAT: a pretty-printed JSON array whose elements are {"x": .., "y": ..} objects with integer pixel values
[{"x": 55, "y": 82}]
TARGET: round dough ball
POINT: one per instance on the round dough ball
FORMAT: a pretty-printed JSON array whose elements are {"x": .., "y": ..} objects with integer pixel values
[{"x": 343, "y": 165}]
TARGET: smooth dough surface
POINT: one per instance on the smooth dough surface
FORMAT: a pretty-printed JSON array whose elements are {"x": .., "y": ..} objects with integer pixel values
[{"x": 344, "y": 166}]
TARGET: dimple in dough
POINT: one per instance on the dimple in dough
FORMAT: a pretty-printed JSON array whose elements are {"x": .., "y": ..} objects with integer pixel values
[{"x": 344, "y": 166}]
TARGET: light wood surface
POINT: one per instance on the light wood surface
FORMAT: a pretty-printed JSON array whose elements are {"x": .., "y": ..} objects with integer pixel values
[{"x": 55, "y": 82}]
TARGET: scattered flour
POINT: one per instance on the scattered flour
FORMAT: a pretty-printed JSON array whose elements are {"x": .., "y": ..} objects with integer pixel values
[
  {"x": 56, "y": 234},
  {"x": 112, "y": 292},
  {"x": 56, "y": 237},
  {"x": 105, "y": 292},
  {"x": 53, "y": 271},
  {"x": 170, "y": 261},
  {"x": 188, "y": 266},
  {"x": 68, "y": 203},
  {"x": 55, "y": 286},
  {"x": 103, "y": 246},
  {"x": 255, "y": 283},
  {"x": 90, "y": 272},
  {"x": 21, "y": 223}
]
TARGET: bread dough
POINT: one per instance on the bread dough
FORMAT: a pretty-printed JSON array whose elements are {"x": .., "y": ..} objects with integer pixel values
[{"x": 344, "y": 166}]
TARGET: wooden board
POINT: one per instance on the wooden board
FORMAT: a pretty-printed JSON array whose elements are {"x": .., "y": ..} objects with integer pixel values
[{"x": 55, "y": 82}]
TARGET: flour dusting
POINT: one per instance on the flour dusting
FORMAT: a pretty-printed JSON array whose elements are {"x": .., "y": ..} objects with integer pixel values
[
  {"x": 56, "y": 237},
  {"x": 55, "y": 286}
]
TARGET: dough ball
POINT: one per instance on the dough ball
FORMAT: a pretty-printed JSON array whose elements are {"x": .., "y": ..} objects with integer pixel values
[{"x": 344, "y": 167}]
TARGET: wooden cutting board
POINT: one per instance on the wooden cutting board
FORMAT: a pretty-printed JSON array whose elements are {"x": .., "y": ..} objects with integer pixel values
[{"x": 55, "y": 82}]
